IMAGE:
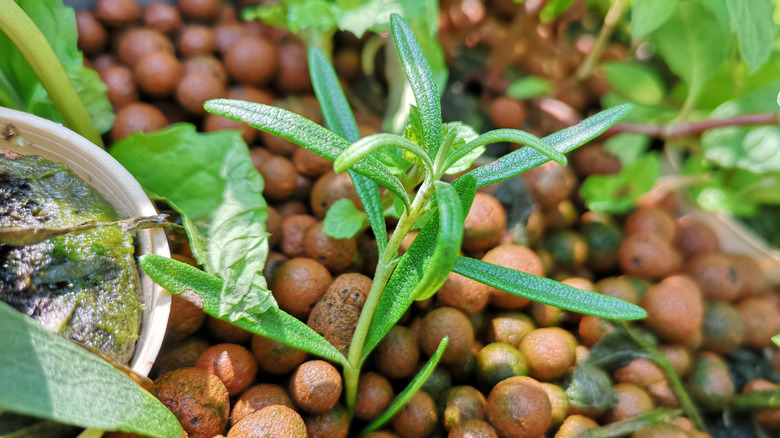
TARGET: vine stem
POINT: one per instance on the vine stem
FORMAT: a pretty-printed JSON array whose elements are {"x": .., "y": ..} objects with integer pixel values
[
  {"x": 654, "y": 355},
  {"x": 684, "y": 129},
  {"x": 384, "y": 270},
  {"x": 26, "y": 36},
  {"x": 611, "y": 20}
]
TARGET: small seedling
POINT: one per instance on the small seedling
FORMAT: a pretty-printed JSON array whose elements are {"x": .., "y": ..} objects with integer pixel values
[{"x": 410, "y": 168}]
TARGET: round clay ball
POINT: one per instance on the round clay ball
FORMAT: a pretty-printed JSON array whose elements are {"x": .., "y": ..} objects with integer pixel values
[
  {"x": 299, "y": 283},
  {"x": 137, "y": 43},
  {"x": 417, "y": 418},
  {"x": 293, "y": 74},
  {"x": 251, "y": 60},
  {"x": 117, "y": 12},
  {"x": 197, "y": 40},
  {"x": 506, "y": 112},
  {"x": 162, "y": 17},
  {"x": 137, "y": 117},
  {"x": 397, "y": 354},
  {"x": 258, "y": 397},
  {"x": 374, "y": 396},
  {"x": 206, "y": 64},
  {"x": 334, "y": 254},
  {"x": 232, "y": 363},
  {"x": 275, "y": 421},
  {"x": 450, "y": 322},
  {"x": 274, "y": 357},
  {"x": 315, "y": 386},
  {"x": 518, "y": 258},
  {"x": 227, "y": 34},
  {"x": 333, "y": 423},
  {"x": 92, "y": 35},
  {"x": 198, "y": 398},
  {"x": 195, "y": 89},
  {"x": 121, "y": 85},
  {"x": 158, "y": 73},
  {"x": 484, "y": 225},
  {"x": 463, "y": 293},
  {"x": 519, "y": 408},
  {"x": 675, "y": 310},
  {"x": 280, "y": 177},
  {"x": 549, "y": 352}
]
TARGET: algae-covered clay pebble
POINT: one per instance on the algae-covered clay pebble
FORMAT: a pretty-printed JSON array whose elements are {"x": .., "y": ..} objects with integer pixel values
[
  {"x": 374, "y": 395},
  {"x": 518, "y": 258},
  {"x": 450, "y": 322},
  {"x": 274, "y": 357},
  {"x": 519, "y": 408},
  {"x": 186, "y": 317},
  {"x": 675, "y": 310},
  {"x": 397, "y": 354},
  {"x": 461, "y": 404},
  {"x": 549, "y": 352},
  {"x": 710, "y": 384},
  {"x": 299, "y": 283},
  {"x": 660, "y": 430},
  {"x": 258, "y": 397},
  {"x": 333, "y": 423},
  {"x": 723, "y": 328},
  {"x": 484, "y": 224},
  {"x": 417, "y": 418},
  {"x": 770, "y": 418},
  {"x": 315, "y": 386},
  {"x": 473, "y": 428},
  {"x": 510, "y": 328},
  {"x": 498, "y": 361},
  {"x": 198, "y": 398},
  {"x": 716, "y": 275},
  {"x": 559, "y": 401},
  {"x": 275, "y": 421},
  {"x": 232, "y": 363}
]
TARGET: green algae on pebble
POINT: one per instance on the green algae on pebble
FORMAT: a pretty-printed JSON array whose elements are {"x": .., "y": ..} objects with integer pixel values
[{"x": 82, "y": 285}]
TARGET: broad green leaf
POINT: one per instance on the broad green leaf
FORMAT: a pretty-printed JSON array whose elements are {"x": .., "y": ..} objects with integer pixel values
[
  {"x": 238, "y": 242},
  {"x": 553, "y": 9},
  {"x": 547, "y": 291},
  {"x": 753, "y": 148},
  {"x": 648, "y": 15},
  {"x": 343, "y": 220},
  {"x": 304, "y": 133},
  {"x": 420, "y": 77},
  {"x": 176, "y": 277},
  {"x": 339, "y": 118},
  {"x": 618, "y": 193},
  {"x": 19, "y": 86},
  {"x": 397, "y": 296},
  {"x": 417, "y": 382},
  {"x": 448, "y": 242},
  {"x": 529, "y": 87},
  {"x": 310, "y": 14},
  {"x": 693, "y": 43},
  {"x": 755, "y": 29},
  {"x": 627, "y": 146},
  {"x": 563, "y": 141},
  {"x": 46, "y": 376},
  {"x": 635, "y": 81},
  {"x": 374, "y": 15},
  {"x": 272, "y": 14}
]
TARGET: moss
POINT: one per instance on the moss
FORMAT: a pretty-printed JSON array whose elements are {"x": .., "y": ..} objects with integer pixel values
[{"x": 82, "y": 285}]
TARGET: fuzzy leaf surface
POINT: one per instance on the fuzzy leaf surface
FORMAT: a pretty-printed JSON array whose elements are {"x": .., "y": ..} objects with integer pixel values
[
  {"x": 547, "y": 291},
  {"x": 176, "y": 277},
  {"x": 563, "y": 141},
  {"x": 46, "y": 376},
  {"x": 343, "y": 220}
]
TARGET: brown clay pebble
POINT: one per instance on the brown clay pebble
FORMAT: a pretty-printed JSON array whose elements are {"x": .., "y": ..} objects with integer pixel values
[
  {"x": 593, "y": 159},
  {"x": 593, "y": 328},
  {"x": 509, "y": 328},
  {"x": 675, "y": 310},
  {"x": 450, "y": 322},
  {"x": 121, "y": 85},
  {"x": 336, "y": 314},
  {"x": 335, "y": 254},
  {"x": 549, "y": 352},
  {"x": 519, "y": 408},
  {"x": 158, "y": 73},
  {"x": 213, "y": 122},
  {"x": 723, "y": 328},
  {"x": 631, "y": 400},
  {"x": 310, "y": 164},
  {"x": 382, "y": 434},
  {"x": 198, "y": 399},
  {"x": 137, "y": 117},
  {"x": 251, "y": 60},
  {"x": 514, "y": 257},
  {"x": 762, "y": 321},
  {"x": 751, "y": 274},
  {"x": 574, "y": 426},
  {"x": 293, "y": 74},
  {"x": 227, "y": 34},
  {"x": 205, "y": 64},
  {"x": 227, "y": 332},
  {"x": 137, "y": 43},
  {"x": 506, "y": 112},
  {"x": 651, "y": 220},
  {"x": 195, "y": 89},
  {"x": 294, "y": 229},
  {"x": 485, "y": 223},
  {"x": 660, "y": 430},
  {"x": 417, "y": 418},
  {"x": 333, "y": 423},
  {"x": 200, "y": 9},
  {"x": 716, "y": 275},
  {"x": 299, "y": 283},
  {"x": 197, "y": 40},
  {"x": 175, "y": 355},
  {"x": 275, "y": 421},
  {"x": 92, "y": 35},
  {"x": 258, "y": 397},
  {"x": 274, "y": 357},
  {"x": 769, "y": 418},
  {"x": 117, "y": 12},
  {"x": 550, "y": 183},
  {"x": 104, "y": 61},
  {"x": 162, "y": 17},
  {"x": 232, "y": 363},
  {"x": 374, "y": 395},
  {"x": 463, "y": 293},
  {"x": 185, "y": 318},
  {"x": 315, "y": 386},
  {"x": 694, "y": 238},
  {"x": 648, "y": 255},
  {"x": 328, "y": 189},
  {"x": 279, "y": 176},
  {"x": 461, "y": 404},
  {"x": 473, "y": 429},
  {"x": 397, "y": 354}
]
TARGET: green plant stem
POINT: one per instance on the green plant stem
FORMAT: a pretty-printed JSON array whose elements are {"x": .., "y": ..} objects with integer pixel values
[
  {"x": 631, "y": 425},
  {"x": 384, "y": 270},
  {"x": 39, "y": 54},
  {"x": 611, "y": 20},
  {"x": 679, "y": 390}
]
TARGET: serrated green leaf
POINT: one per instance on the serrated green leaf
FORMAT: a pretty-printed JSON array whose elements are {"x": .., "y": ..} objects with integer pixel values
[
  {"x": 755, "y": 29},
  {"x": 529, "y": 87},
  {"x": 618, "y": 193},
  {"x": 553, "y": 9},
  {"x": 448, "y": 241},
  {"x": 416, "y": 383},
  {"x": 635, "y": 81},
  {"x": 648, "y": 15},
  {"x": 176, "y": 277},
  {"x": 420, "y": 77},
  {"x": 547, "y": 291},
  {"x": 343, "y": 220},
  {"x": 46, "y": 376},
  {"x": 693, "y": 43},
  {"x": 563, "y": 141}
]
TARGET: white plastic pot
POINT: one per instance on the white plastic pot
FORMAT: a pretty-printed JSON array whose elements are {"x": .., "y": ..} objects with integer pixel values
[{"x": 95, "y": 166}]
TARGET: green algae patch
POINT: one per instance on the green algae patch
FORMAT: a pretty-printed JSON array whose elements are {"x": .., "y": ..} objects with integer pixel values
[{"x": 83, "y": 285}]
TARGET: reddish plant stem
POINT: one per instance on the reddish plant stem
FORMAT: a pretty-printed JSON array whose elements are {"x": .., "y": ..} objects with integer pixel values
[{"x": 678, "y": 130}]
